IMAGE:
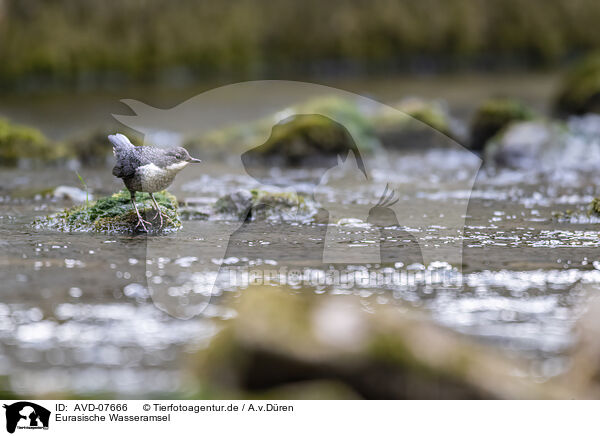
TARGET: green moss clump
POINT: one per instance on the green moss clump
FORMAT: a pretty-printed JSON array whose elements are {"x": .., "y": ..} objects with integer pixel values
[
  {"x": 580, "y": 90},
  {"x": 493, "y": 115},
  {"x": 19, "y": 142},
  {"x": 115, "y": 214}
]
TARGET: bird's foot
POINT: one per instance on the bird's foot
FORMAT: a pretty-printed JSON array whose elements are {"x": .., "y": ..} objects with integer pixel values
[
  {"x": 162, "y": 215},
  {"x": 142, "y": 222}
]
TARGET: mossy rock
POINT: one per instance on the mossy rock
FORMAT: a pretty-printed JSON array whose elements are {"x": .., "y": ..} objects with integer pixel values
[
  {"x": 413, "y": 122},
  {"x": 115, "y": 214},
  {"x": 346, "y": 112},
  {"x": 257, "y": 204},
  {"x": 311, "y": 139},
  {"x": 580, "y": 90},
  {"x": 19, "y": 144},
  {"x": 304, "y": 136},
  {"x": 493, "y": 115}
]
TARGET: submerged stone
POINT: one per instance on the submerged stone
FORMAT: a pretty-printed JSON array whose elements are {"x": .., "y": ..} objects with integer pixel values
[
  {"x": 115, "y": 214},
  {"x": 521, "y": 144},
  {"x": 493, "y": 115},
  {"x": 257, "y": 204}
]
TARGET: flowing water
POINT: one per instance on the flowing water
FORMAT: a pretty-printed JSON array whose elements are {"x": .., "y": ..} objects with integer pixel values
[{"x": 81, "y": 312}]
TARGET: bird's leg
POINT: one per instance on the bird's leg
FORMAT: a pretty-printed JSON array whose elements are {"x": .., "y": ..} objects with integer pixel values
[
  {"x": 159, "y": 212},
  {"x": 140, "y": 219}
]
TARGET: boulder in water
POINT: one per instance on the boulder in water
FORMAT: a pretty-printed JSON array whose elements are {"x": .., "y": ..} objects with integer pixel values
[
  {"x": 521, "y": 144},
  {"x": 492, "y": 116},
  {"x": 548, "y": 145}
]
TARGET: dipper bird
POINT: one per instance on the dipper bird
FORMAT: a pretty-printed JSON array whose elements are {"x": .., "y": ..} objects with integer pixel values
[{"x": 147, "y": 169}]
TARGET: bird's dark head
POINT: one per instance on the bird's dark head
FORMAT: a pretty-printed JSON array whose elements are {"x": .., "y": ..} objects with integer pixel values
[{"x": 178, "y": 156}]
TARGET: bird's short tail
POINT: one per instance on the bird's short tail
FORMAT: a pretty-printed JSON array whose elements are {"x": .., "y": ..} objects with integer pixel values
[{"x": 120, "y": 142}]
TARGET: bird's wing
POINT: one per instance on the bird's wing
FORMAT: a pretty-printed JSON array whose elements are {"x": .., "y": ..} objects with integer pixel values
[
  {"x": 123, "y": 170},
  {"x": 128, "y": 161}
]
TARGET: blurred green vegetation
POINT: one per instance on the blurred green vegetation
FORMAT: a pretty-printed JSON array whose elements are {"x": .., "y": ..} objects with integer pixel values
[{"x": 90, "y": 43}]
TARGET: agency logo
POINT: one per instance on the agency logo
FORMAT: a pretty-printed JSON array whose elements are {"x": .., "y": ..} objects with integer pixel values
[{"x": 26, "y": 416}]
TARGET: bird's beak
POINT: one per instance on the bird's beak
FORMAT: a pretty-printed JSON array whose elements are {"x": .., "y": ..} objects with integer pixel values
[{"x": 194, "y": 160}]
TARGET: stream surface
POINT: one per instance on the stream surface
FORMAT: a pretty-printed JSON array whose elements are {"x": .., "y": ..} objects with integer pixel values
[{"x": 81, "y": 313}]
